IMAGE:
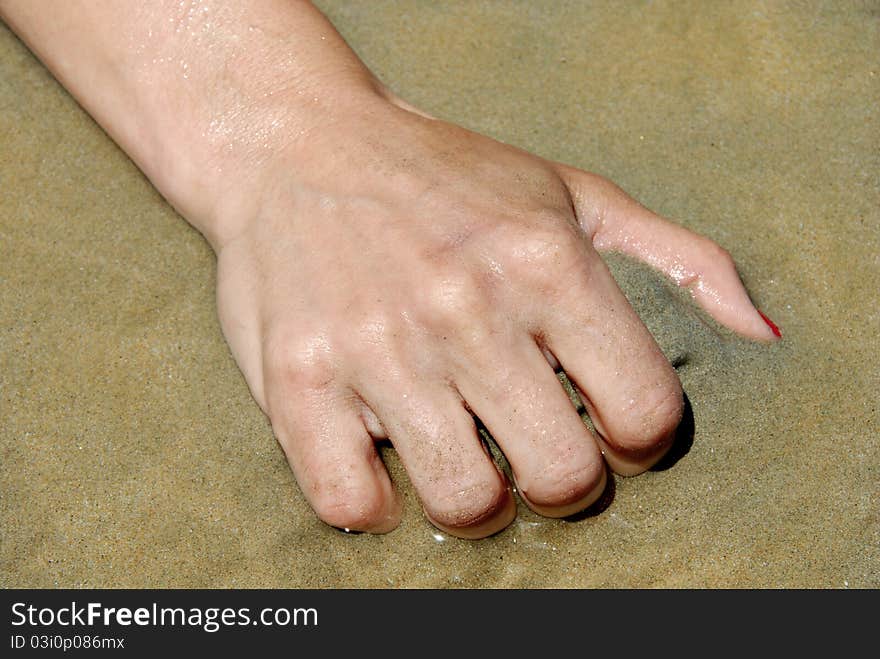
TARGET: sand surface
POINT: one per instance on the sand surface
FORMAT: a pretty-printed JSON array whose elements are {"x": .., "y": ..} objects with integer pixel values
[{"x": 134, "y": 456}]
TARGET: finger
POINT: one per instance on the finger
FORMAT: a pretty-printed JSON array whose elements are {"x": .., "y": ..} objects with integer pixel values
[
  {"x": 462, "y": 490},
  {"x": 623, "y": 462},
  {"x": 630, "y": 389},
  {"x": 616, "y": 222},
  {"x": 335, "y": 461},
  {"x": 557, "y": 465}
]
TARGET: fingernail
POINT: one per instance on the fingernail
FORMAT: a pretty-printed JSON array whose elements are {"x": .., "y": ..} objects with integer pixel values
[{"x": 772, "y": 326}]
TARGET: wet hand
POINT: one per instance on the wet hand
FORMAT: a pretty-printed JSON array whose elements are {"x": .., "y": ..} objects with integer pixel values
[{"x": 412, "y": 275}]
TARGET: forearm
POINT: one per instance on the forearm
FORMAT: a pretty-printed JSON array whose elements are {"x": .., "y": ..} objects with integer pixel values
[{"x": 201, "y": 93}]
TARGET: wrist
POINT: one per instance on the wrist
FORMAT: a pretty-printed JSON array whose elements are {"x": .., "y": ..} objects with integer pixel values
[
  {"x": 220, "y": 169},
  {"x": 207, "y": 142}
]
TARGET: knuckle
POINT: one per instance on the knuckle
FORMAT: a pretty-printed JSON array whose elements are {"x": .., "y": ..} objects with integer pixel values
[
  {"x": 664, "y": 408},
  {"x": 349, "y": 507},
  {"x": 545, "y": 254},
  {"x": 468, "y": 507},
  {"x": 560, "y": 485},
  {"x": 299, "y": 360},
  {"x": 451, "y": 299},
  {"x": 658, "y": 415},
  {"x": 717, "y": 255}
]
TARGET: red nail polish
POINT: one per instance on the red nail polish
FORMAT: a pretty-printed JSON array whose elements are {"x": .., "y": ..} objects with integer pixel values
[{"x": 772, "y": 325}]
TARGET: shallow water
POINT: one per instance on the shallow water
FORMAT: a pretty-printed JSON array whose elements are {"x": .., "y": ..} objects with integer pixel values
[{"x": 133, "y": 454}]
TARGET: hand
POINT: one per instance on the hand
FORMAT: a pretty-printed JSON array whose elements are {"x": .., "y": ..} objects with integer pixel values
[
  {"x": 403, "y": 274},
  {"x": 385, "y": 274}
]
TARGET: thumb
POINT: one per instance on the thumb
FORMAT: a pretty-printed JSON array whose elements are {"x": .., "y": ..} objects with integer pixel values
[{"x": 616, "y": 222}]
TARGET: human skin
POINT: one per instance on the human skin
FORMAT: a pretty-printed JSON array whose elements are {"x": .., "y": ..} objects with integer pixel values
[{"x": 386, "y": 274}]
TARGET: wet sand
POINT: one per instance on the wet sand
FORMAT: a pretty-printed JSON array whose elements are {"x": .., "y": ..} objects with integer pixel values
[{"x": 134, "y": 456}]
